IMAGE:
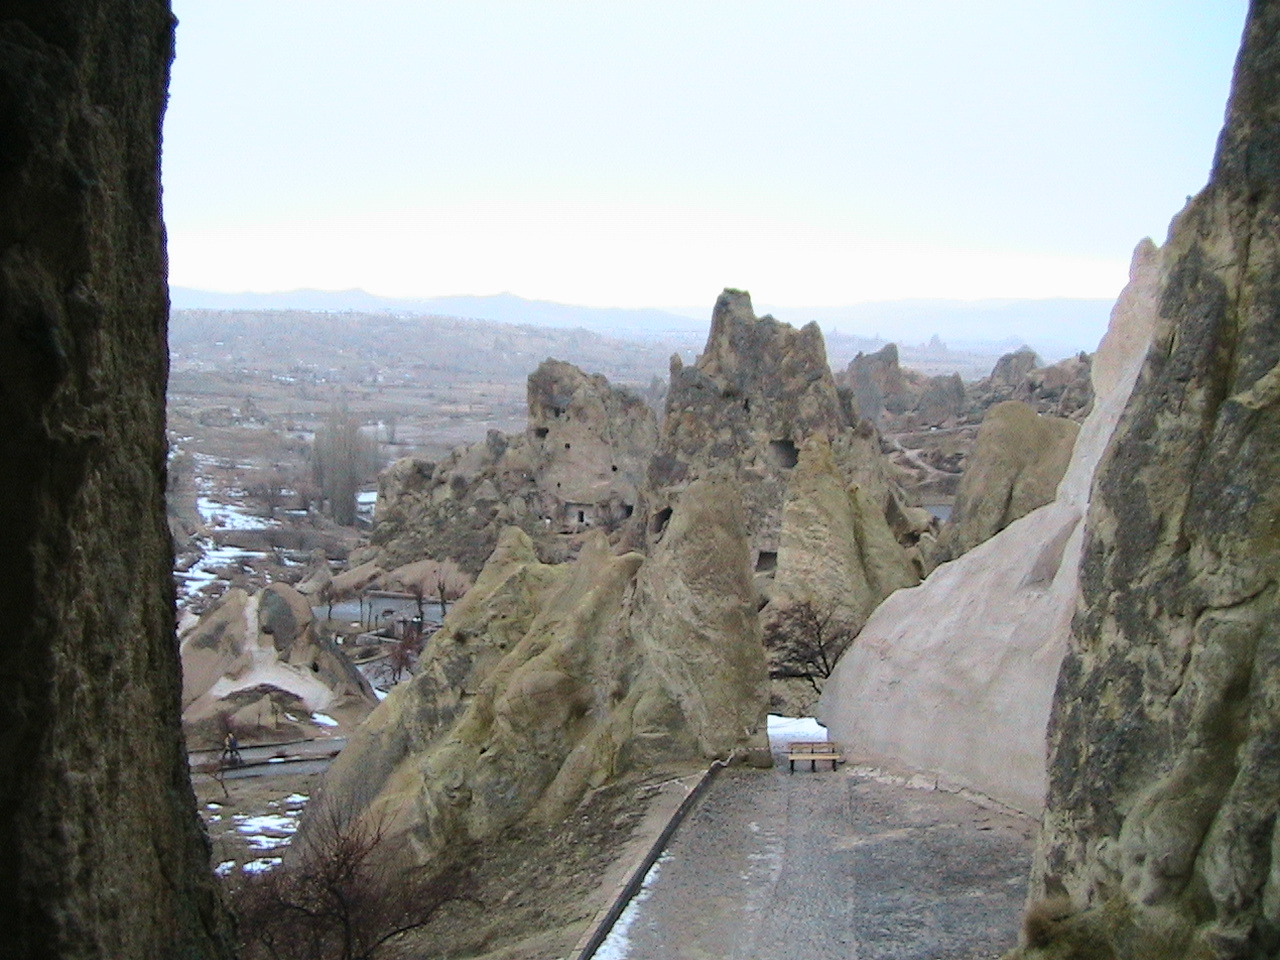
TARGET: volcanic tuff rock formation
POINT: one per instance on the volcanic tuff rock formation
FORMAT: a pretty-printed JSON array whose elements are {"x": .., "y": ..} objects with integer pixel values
[
  {"x": 835, "y": 550},
  {"x": 577, "y": 466},
  {"x": 590, "y": 446},
  {"x": 898, "y": 400},
  {"x": 550, "y": 680},
  {"x": 955, "y": 677},
  {"x": 879, "y": 384},
  {"x": 1062, "y": 389},
  {"x": 256, "y": 660},
  {"x": 103, "y": 853},
  {"x": 1161, "y": 836},
  {"x": 1015, "y": 466},
  {"x": 759, "y": 389}
]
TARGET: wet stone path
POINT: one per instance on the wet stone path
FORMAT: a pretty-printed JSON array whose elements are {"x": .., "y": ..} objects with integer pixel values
[{"x": 819, "y": 866}]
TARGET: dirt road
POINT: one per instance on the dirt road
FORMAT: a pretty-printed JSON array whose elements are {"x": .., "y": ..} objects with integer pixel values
[{"x": 828, "y": 865}]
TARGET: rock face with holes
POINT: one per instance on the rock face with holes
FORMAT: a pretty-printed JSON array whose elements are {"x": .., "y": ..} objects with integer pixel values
[
  {"x": 549, "y": 680},
  {"x": 254, "y": 664},
  {"x": 955, "y": 677},
  {"x": 590, "y": 444},
  {"x": 1160, "y": 836},
  {"x": 104, "y": 855},
  {"x": 577, "y": 466},
  {"x": 757, "y": 392},
  {"x": 1016, "y": 465}
]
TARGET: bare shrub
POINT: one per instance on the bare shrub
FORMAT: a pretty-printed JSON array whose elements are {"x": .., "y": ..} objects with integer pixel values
[
  {"x": 339, "y": 896},
  {"x": 1041, "y": 921}
]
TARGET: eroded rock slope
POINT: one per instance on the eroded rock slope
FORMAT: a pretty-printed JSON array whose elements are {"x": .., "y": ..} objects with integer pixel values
[
  {"x": 548, "y": 680},
  {"x": 1161, "y": 833}
]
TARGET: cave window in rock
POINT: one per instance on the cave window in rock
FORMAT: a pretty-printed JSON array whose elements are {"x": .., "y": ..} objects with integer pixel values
[
  {"x": 557, "y": 412},
  {"x": 784, "y": 453},
  {"x": 660, "y": 520},
  {"x": 767, "y": 561},
  {"x": 627, "y": 510},
  {"x": 614, "y": 468},
  {"x": 566, "y": 446},
  {"x": 582, "y": 516},
  {"x": 540, "y": 432}
]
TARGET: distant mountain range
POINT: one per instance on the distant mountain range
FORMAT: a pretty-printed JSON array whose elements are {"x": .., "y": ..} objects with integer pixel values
[{"x": 1054, "y": 328}]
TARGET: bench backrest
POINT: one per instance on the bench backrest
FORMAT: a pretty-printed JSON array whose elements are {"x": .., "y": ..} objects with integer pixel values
[{"x": 813, "y": 746}]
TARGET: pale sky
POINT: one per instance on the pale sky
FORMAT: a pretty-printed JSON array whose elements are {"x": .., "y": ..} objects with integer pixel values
[{"x": 651, "y": 153}]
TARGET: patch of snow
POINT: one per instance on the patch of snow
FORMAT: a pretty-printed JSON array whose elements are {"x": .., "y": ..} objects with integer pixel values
[
  {"x": 324, "y": 720},
  {"x": 230, "y": 516},
  {"x": 617, "y": 945},
  {"x": 296, "y": 798},
  {"x": 262, "y": 841},
  {"x": 262, "y": 864},
  {"x": 380, "y": 694},
  {"x": 783, "y": 729},
  {"x": 266, "y": 821},
  {"x": 224, "y": 868}
]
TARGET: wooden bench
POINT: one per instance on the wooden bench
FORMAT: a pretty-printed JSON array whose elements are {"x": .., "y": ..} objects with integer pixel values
[{"x": 813, "y": 751}]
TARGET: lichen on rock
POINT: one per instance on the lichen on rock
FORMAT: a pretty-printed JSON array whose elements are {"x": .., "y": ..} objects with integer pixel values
[{"x": 1164, "y": 778}]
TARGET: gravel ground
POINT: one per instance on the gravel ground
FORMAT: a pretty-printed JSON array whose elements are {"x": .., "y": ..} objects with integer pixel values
[{"x": 830, "y": 865}]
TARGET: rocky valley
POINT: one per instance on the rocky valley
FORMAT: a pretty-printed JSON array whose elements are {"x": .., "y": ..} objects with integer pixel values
[{"x": 1052, "y": 589}]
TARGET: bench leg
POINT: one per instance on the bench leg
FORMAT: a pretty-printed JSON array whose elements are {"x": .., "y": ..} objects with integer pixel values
[
  {"x": 813, "y": 765},
  {"x": 792, "y": 761}
]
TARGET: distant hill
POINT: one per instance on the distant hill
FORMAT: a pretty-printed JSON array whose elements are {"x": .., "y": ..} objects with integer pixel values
[
  {"x": 501, "y": 308},
  {"x": 1054, "y": 328}
]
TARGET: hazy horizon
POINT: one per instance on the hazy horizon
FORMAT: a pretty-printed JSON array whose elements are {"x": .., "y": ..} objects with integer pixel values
[{"x": 609, "y": 154}]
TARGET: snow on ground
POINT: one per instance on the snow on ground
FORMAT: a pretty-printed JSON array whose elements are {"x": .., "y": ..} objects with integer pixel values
[
  {"x": 267, "y": 834},
  {"x": 616, "y": 945},
  {"x": 230, "y": 516},
  {"x": 200, "y": 574},
  {"x": 784, "y": 729},
  {"x": 324, "y": 720}
]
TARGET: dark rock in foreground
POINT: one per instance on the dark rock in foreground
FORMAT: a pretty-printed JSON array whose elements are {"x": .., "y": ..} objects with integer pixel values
[
  {"x": 1161, "y": 832},
  {"x": 103, "y": 853}
]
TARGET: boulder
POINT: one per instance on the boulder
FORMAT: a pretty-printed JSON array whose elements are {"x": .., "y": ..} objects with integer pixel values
[
  {"x": 1063, "y": 389},
  {"x": 1160, "y": 833},
  {"x": 941, "y": 401},
  {"x": 954, "y": 678}
]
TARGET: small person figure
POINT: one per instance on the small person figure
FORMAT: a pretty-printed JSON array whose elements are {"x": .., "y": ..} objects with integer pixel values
[{"x": 231, "y": 750}]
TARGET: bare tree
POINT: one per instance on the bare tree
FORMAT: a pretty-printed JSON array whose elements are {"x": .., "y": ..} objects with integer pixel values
[
  {"x": 341, "y": 458},
  {"x": 450, "y": 584},
  {"x": 341, "y": 896},
  {"x": 805, "y": 640}
]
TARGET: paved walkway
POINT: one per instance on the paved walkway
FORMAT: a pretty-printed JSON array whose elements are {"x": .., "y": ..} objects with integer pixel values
[
  {"x": 819, "y": 866},
  {"x": 301, "y": 756}
]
